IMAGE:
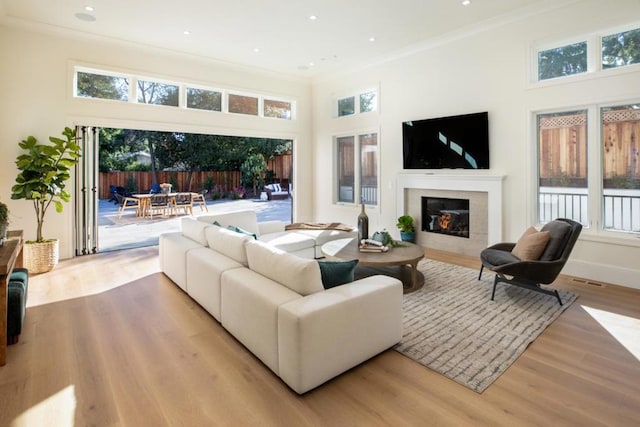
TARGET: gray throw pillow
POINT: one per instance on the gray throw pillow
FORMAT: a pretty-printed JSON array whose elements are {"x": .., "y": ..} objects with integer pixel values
[{"x": 558, "y": 232}]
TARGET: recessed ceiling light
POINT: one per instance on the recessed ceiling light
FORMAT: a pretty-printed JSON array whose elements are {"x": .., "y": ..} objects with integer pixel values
[
  {"x": 372, "y": 39},
  {"x": 466, "y": 2},
  {"x": 89, "y": 8},
  {"x": 256, "y": 49},
  {"x": 311, "y": 64},
  {"x": 313, "y": 17},
  {"x": 186, "y": 32},
  {"x": 85, "y": 17}
]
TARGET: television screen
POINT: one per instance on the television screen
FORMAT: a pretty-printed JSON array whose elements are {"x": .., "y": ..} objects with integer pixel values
[{"x": 455, "y": 142}]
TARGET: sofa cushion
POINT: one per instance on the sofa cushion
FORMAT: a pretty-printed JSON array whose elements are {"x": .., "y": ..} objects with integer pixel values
[
  {"x": 228, "y": 243},
  {"x": 288, "y": 241},
  {"x": 323, "y": 236},
  {"x": 336, "y": 273},
  {"x": 204, "y": 272},
  {"x": 531, "y": 244},
  {"x": 558, "y": 231},
  {"x": 298, "y": 274},
  {"x": 194, "y": 230},
  {"x": 173, "y": 248},
  {"x": 249, "y": 311}
]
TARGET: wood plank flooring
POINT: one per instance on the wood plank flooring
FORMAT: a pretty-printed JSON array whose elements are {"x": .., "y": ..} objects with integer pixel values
[{"x": 110, "y": 341}]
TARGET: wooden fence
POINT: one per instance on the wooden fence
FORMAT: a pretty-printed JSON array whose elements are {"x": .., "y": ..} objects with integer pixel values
[
  {"x": 563, "y": 145},
  {"x": 140, "y": 182}
]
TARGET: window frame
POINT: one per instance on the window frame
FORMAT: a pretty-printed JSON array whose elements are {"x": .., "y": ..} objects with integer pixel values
[
  {"x": 107, "y": 73},
  {"x": 136, "y": 90},
  {"x": 594, "y": 57},
  {"x": 357, "y": 167},
  {"x": 209, "y": 89},
  {"x": 278, "y": 99},
  {"x": 356, "y": 102},
  {"x": 244, "y": 95},
  {"x": 133, "y": 78},
  {"x": 595, "y": 170}
]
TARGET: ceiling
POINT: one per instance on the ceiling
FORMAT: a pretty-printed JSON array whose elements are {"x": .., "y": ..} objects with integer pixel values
[{"x": 274, "y": 36}]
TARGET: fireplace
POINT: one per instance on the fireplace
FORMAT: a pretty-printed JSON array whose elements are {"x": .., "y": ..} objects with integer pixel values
[{"x": 445, "y": 216}]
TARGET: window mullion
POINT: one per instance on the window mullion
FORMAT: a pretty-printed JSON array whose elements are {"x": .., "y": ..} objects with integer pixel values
[
  {"x": 357, "y": 170},
  {"x": 594, "y": 168},
  {"x": 133, "y": 89}
]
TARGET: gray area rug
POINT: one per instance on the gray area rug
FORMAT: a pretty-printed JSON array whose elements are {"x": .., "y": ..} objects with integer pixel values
[{"x": 452, "y": 326}]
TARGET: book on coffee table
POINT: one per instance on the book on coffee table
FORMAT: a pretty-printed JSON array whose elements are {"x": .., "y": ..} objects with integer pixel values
[{"x": 369, "y": 247}]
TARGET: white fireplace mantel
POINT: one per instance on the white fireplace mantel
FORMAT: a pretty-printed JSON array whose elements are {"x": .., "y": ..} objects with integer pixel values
[{"x": 487, "y": 183}]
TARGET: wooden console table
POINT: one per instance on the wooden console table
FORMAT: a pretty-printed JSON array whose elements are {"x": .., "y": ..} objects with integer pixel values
[{"x": 10, "y": 257}]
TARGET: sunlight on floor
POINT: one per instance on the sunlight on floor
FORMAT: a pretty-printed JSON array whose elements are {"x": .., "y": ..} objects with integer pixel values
[
  {"x": 625, "y": 329},
  {"x": 92, "y": 274},
  {"x": 58, "y": 410}
]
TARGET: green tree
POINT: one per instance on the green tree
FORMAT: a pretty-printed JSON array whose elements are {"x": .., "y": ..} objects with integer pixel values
[
  {"x": 562, "y": 61},
  {"x": 621, "y": 49},
  {"x": 100, "y": 86},
  {"x": 253, "y": 171},
  {"x": 158, "y": 93},
  {"x": 204, "y": 99}
]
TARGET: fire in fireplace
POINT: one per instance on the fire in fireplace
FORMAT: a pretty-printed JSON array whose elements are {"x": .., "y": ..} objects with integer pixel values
[{"x": 446, "y": 216}]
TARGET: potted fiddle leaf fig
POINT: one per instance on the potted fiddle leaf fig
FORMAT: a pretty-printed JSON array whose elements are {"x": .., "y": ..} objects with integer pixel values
[
  {"x": 407, "y": 230},
  {"x": 44, "y": 172}
]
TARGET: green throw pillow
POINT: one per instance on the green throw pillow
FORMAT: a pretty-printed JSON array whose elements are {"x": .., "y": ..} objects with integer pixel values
[
  {"x": 217, "y": 223},
  {"x": 336, "y": 273},
  {"x": 242, "y": 231}
]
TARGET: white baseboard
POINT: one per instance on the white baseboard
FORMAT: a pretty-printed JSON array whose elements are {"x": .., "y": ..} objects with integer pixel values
[{"x": 603, "y": 273}]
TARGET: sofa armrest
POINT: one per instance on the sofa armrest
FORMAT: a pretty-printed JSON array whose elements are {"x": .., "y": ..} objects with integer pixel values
[
  {"x": 326, "y": 333},
  {"x": 267, "y": 227}
]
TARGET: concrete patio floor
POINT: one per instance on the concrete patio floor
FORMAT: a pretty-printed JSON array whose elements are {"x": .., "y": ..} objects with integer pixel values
[{"x": 130, "y": 231}]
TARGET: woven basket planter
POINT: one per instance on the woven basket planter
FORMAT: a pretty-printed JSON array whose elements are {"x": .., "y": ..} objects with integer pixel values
[{"x": 40, "y": 257}]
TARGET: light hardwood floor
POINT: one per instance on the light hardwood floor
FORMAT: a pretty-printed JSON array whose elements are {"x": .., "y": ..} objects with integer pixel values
[{"x": 110, "y": 341}]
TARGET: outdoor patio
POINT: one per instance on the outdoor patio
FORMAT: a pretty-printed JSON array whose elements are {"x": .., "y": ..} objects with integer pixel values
[{"x": 131, "y": 231}]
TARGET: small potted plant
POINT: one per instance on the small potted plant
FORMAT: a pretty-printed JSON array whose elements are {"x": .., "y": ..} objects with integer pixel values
[
  {"x": 4, "y": 222},
  {"x": 407, "y": 230},
  {"x": 44, "y": 172}
]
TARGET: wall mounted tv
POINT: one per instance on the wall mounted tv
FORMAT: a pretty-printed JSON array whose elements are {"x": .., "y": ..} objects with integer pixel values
[{"x": 455, "y": 142}]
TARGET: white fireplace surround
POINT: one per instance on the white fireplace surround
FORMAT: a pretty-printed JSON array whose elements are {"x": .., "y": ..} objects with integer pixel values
[{"x": 487, "y": 183}]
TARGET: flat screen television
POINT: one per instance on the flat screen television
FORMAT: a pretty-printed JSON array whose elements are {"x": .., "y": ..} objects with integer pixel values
[{"x": 454, "y": 142}]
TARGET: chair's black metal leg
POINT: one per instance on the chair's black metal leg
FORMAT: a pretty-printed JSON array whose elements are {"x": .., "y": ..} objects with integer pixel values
[
  {"x": 495, "y": 282},
  {"x": 480, "y": 275},
  {"x": 558, "y": 296}
]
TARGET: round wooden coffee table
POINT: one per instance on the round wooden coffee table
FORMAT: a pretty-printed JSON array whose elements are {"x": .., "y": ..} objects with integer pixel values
[{"x": 394, "y": 263}]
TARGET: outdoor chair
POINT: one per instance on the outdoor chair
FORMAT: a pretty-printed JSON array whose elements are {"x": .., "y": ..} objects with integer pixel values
[
  {"x": 184, "y": 201},
  {"x": 118, "y": 193},
  {"x": 542, "y": 256},
  {"x": 128, "y": 203},
  {"x": 199, "y": 199},
  {"x": 159, "y": 203}
]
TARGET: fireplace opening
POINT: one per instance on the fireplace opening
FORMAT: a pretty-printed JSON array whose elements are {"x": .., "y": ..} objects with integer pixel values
[{"x": 445, "y": 216}]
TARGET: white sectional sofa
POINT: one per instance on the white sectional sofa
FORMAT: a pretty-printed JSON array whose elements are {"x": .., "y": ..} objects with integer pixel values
[{"x": 275, "y": 303}]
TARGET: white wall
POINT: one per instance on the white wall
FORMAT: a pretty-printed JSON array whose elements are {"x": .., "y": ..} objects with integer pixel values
[
  {"x": 485, "y": 71},
  {"x": 36, "y": 88}
]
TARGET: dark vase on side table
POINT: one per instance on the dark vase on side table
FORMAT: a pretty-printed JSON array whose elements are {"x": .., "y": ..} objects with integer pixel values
[{"x": 363, "y": 225}]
